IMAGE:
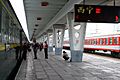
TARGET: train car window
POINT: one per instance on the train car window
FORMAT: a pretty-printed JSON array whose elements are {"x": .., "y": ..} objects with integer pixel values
[
  {"x": 95, "y": 41},
  {"x": 106, "y": 40},
  {"x": 115, "y": 40},
  {"x": 89, "y": 41},
  {"x": 3, "y": 26},
  {"x": 92, "y": 41},
  {"x": 110, "y": 40},
  {"x": 98, "y": 42},
  {"x": 0, "y": 22},
  {"x": 101, "y": 41}
]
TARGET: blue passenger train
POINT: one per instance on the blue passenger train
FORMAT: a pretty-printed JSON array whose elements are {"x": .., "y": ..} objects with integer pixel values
[{"x": 10, "y": 31}]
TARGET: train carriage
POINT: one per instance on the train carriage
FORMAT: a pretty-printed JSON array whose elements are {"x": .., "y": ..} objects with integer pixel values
[{"x": 105, "y": 43}]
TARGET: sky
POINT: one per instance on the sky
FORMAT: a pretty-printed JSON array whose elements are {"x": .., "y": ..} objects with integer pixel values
[{"x": 18, "y": 7}]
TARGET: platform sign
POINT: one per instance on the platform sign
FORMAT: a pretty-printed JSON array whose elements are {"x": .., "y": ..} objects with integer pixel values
[{"x": 97, "y": 13}]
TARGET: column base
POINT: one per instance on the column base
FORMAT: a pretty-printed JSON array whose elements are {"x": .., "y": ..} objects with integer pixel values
[
  {"x": 50, "y": 49},
  {"x": 58, "y": 51},
  {"x": 76, "y": 56}
]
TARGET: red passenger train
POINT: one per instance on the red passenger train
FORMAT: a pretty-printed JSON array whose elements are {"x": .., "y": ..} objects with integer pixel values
[{"x": 105, "y": 43}]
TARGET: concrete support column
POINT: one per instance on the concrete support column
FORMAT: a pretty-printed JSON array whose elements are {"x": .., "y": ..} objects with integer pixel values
[
  {"x": 42, "y": 39},
  {"x": 50, "y": 40},
  {"x": 58, "y": 37},
  {"x": 45, "y": 37},
  {"x": 76, "y": 38}
]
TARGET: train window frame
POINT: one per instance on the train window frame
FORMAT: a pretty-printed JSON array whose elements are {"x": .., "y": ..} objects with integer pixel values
[
  {"x": 101, "y": 41},
  {"x": 115, "y": 40},
  {"x": 95, "y": 41},
  {"x": 98, "y": 41},
  {"x": 1, "y": 22},
  {"x": 88, "y": 42},
  {"x": 92, "y": 41},
  {"x": 119, "y": 40},
  {"x": 106, "y": 40},
  {"x": 111, "y": 41}
]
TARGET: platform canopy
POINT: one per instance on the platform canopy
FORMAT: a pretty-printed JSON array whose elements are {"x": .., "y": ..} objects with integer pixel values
[{"x": 42, "y": 14}]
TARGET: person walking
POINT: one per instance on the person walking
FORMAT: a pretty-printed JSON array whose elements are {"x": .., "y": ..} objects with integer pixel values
[
  {"x": 46, "y": 50},
  {"x": 35, "y": 48}
]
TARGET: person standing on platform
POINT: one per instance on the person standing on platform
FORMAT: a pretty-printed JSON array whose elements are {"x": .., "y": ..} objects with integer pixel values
[
  {"x": 35, "y": 48},
  {"x": 46, "y": 50},
  {"x": 17, "y": 49},
  {"x": 41, "y": 46},
  {"x": 25, "y": 48}
]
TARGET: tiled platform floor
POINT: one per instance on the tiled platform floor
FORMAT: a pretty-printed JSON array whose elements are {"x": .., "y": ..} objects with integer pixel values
[{"x": 55, "y": 68}]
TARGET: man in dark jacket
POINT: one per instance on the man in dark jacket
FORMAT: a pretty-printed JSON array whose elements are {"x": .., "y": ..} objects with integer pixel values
[
  {"x": 17, "y": 49},
  {"x": 35, "y": 48},
  {"x": 25, "y": 48}
]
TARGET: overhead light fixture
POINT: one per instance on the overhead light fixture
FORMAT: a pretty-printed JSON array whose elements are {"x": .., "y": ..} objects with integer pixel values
[
  {"x": 39, "y": 18},
  {"x": 44, "y": 3},
  {"x": 36, "y": 25}
]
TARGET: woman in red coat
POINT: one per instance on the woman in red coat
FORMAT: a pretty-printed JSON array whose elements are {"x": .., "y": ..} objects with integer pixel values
[{"x": 46, "y": 50}]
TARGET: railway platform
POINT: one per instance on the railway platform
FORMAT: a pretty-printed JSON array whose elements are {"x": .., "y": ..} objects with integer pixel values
[{"x": 55, "y": 68}]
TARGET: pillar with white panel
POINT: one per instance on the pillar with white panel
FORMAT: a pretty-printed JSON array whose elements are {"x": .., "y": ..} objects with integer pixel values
[
  {"x": 76, "y": 37},
  {"x": 58, "y": 37},
  {"x": 50, "y": 40}
]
